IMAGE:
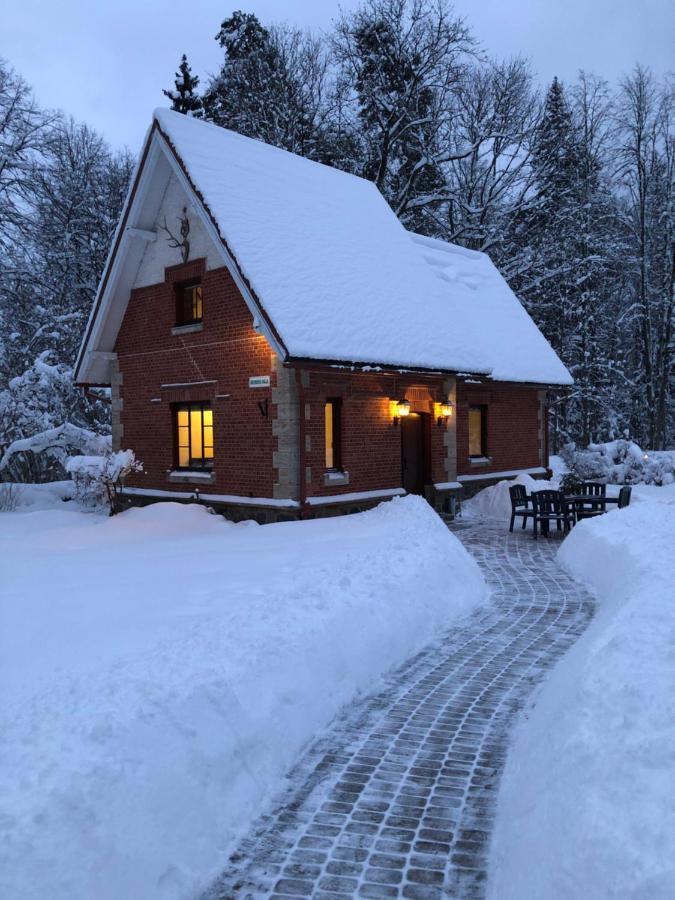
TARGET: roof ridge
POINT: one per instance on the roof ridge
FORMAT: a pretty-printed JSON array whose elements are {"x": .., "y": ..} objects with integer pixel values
[{"x": 170, "y": 114}]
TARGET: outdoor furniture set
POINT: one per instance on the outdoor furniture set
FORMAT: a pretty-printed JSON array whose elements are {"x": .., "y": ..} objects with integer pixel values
[{"x": 564, "y": 509}]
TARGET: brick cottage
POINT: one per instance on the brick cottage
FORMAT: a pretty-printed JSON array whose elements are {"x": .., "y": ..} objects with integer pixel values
[{"x": 277, "y": 343}]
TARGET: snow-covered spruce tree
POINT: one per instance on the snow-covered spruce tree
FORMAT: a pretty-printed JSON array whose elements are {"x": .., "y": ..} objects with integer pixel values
[
  {"x": 184, "y": 98},
  {"x": 274, "y": 85},
  {"x": 565, "y": 252}
]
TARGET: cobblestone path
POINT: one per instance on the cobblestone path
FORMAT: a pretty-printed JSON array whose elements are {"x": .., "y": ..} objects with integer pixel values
[{"x": 398, "y": 799}]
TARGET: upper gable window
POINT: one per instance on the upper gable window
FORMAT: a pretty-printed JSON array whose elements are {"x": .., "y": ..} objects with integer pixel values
[{"x": 188, "y": 303}]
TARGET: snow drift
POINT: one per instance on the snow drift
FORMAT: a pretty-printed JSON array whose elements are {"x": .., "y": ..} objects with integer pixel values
[
  {"x": 162, "y": 670},
  {"x": 587, "y": 803}
]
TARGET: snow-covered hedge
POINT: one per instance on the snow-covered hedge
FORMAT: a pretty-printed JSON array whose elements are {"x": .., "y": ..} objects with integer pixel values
[
  {"x": 43, "y": 456},
  {"x": 621, "y": 462},
  {"x": 161, "y": 670},
  {"x": 586, "y": 806}
]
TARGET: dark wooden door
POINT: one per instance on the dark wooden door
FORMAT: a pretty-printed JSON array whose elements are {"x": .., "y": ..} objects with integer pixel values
[{"x": 413, "y": 453}]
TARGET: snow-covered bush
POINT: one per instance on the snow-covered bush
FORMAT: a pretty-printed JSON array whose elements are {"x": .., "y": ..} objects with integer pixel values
[
  {"x": 620, "y": 462},
  {"x": 98, "y": 479},
  {"x": 43, "y": 456}
]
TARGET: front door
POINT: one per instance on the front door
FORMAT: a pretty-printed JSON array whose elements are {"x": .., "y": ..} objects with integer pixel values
[{"x": 413, "y": 453}]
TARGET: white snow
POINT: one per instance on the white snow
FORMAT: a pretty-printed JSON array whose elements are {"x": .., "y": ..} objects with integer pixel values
[
  {"x": 587, "y": 802},
  {"x": 340, "y": 277},
  {"x": 488, "y": 315},
  {"x": 162, "y": 669},
  {"x": 355, "y": 496},
  {"x": 212, "y": 498},
  {"x": 510, "y": 473}
]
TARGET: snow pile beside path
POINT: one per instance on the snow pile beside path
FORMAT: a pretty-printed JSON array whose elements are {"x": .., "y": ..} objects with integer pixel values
[
  {"x": 162, "y": 670},
  {"x": 587, "y": 803},
  {"x": 494, "y": 501}
]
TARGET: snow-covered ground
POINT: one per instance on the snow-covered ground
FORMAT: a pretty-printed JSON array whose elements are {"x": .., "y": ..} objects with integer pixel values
[
  {"x": 162, "y": 669},
  {"x": 587, "y": 802}
]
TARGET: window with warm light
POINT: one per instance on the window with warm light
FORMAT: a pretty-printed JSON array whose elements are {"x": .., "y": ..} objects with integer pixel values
[
  {"x": 194, "y": 436},
  {"x": 477, "y": 431},
  {"x": 333, "y": 434},
  {"x": 189, "y": 304}
]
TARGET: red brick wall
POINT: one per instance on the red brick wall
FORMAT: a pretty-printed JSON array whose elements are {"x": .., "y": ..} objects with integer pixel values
[
  {"x": 512, "y": 427},
  {"x": 227, "y": 350},
  {"x": 371, "y": 443}
]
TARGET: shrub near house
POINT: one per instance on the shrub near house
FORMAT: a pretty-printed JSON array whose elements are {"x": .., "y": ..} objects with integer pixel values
[{"x": 276, "y": 340}]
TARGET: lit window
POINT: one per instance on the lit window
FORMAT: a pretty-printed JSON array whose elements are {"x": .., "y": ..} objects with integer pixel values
[
  {"x": 477, "y": 431},
  {"x": 188, "y": 304},
  {"x": 333, "y": 432},
  {"x": 194, "y": 436}
]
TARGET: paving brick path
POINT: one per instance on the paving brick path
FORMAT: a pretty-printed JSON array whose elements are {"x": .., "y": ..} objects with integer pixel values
[{"x": 398, "y": 799}]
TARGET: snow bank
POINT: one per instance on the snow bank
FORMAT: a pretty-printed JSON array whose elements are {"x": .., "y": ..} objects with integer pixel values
[
  {"x": 49, "y": 495},
  {"x": 587, "y": 803},
  {"x": 162, "y": 669},
  {"x": 494, "y": 501}
]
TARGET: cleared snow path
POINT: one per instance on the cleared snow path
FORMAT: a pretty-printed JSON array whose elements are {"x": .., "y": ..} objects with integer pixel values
[{"x": 398, "y": 799}]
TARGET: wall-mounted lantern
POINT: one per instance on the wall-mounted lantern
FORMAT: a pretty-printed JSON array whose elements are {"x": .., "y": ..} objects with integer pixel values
[
  {"x": 400, "y": 409},
  {"x": 443, "y": 412}
]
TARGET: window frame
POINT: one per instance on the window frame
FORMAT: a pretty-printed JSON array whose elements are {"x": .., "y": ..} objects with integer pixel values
[
  {"x": 482, "y": 408},
  {"x": 207, "y": 463},
  {"x": 179, "y": 289},
  {"x": 336, "y": 430}
]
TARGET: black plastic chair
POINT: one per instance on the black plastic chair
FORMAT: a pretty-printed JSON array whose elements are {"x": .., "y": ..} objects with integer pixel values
[
  {"x": 550, "y": 506},
  {"x": 595, "y": 491},
  {"x": 624, "y": 496},
  {"x": 520, "y": 504}
]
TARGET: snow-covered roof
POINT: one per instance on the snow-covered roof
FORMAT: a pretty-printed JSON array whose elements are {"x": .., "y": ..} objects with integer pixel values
[{"x": 338, "y": 277}]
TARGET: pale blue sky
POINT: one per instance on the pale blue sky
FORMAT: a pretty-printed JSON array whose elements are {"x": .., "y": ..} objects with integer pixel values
[{"x": 107, "y": 62}]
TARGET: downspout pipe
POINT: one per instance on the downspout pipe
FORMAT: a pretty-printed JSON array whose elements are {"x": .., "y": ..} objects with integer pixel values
[{"x": 302, "y": 485}]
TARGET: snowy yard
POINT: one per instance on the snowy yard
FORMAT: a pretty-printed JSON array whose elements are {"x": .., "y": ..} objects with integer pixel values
[
  {"x": 161, "y": 670},
  {"x": 587, "y": 803}
]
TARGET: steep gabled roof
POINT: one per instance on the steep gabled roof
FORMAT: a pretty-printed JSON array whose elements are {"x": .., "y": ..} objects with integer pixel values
[{"x": 324, "y": 261}]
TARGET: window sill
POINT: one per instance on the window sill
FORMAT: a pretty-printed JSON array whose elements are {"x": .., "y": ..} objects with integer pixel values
[
  {"x": 335, "y": 479},
  {"x": 480, "y": 460},
  {"x": 187, "y": 477},
  {"x": 187, "y": 329}
]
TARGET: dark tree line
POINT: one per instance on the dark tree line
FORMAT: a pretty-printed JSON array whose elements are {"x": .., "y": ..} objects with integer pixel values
[
  {"x": 61, "y": 193},
  {"x": 568, "y": 189}
]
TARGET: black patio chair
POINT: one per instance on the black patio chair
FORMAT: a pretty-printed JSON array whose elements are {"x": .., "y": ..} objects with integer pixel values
[
  {"x": 550, "y": 506},
  {"x": 520, "y": 504},
  {"x": 624, "y": 496},
  {"x": 596, "y": 506}
]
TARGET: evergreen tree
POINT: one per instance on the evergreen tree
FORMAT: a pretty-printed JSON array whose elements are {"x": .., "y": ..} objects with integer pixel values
[
  {"x": 273, "y": 86},
  {"x": 184, "y": 98},
  {"x": 566, "y": 238}
]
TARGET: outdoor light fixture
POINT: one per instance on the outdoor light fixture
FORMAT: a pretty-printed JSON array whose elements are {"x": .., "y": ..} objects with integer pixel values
[
  {"x": 443, "y": 412},
  {"x": 400, "y": 408}
]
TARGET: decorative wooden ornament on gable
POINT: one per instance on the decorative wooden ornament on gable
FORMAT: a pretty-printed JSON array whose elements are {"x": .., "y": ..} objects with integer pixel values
[{"x": 184, "y": 243}]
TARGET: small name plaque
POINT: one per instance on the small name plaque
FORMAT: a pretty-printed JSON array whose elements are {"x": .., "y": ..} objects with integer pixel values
[{"x": 259, "y": 381}]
